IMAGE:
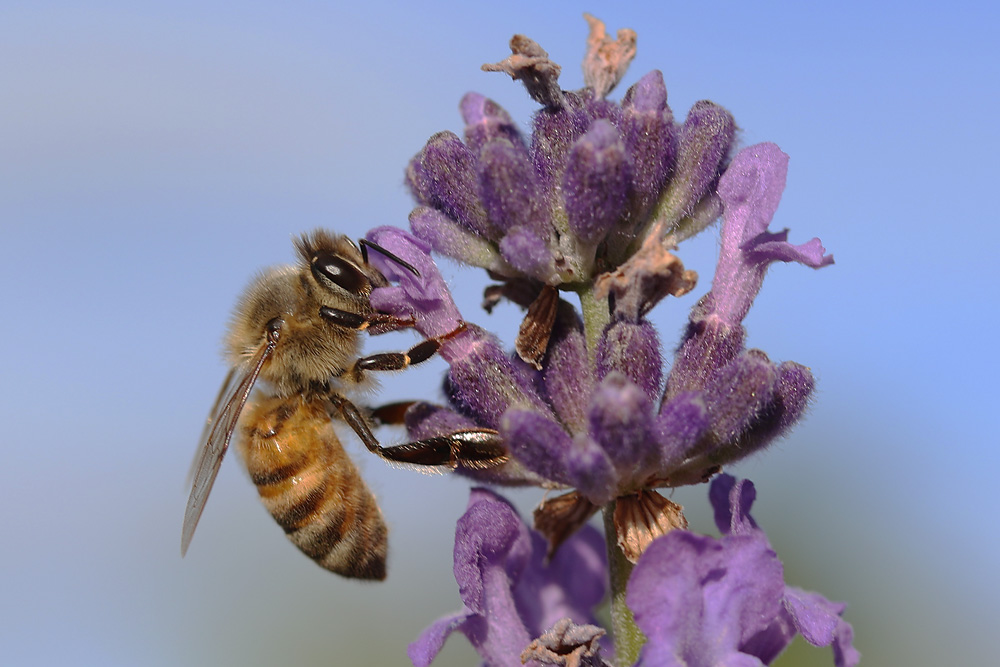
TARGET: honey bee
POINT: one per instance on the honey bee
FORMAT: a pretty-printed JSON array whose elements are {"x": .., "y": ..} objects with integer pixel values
[{"x": 296, "y": 331}]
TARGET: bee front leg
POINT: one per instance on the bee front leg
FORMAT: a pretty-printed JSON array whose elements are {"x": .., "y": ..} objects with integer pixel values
[
  {"x": 397, "y": 361},
  {"x": 377, "y": 323},
  {"x": 471, "y": 448}
]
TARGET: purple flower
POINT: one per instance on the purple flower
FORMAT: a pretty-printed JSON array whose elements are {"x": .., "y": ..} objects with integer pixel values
[
  {"x": 592, "y": 172},
  {"x": 750, "y": 191},
  {"x": 699, "y": 600},
  {"x": 511, "y": 595},
  {"x": 609, "y": 431},
  {"x": 706, "y": 601},
  {"x": 592, "y": 205}
]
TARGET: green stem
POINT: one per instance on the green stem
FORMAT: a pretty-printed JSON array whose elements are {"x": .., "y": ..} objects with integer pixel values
[
  {"x": 595, "y": 317},
  {"x": 627, "y": 635}
]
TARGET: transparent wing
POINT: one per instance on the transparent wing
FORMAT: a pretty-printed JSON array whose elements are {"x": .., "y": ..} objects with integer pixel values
[
  {"x": 224, "y": 391},
  {"x": 217, "y": 435}
]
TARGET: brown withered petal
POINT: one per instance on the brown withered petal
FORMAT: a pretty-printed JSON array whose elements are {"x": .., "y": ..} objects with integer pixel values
[
  {"x": 648, "y": 276},
  {"x": 568, "y": 645},
  {"x": 536, "y": 328},
  {"x": 606, "y": 60},
  {"x": 559, "y": 517},
  {"x": 641, "y": 518},
  {"x": 530, "y": 63}
]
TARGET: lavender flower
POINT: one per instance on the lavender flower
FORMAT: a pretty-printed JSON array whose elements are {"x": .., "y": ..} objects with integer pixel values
[
  {"x": 605, "y": 427},
  {"x": 703, "y": 601},
  {"x": 594, "y": 203},
  {"x": 700, "y": 600},
  {"x": 510, "y": 593}
]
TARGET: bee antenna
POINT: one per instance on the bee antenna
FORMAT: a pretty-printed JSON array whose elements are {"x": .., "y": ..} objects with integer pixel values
[{"x": 365, "y": 244}]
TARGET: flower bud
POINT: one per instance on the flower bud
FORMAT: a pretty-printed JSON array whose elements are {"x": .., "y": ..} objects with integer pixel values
[
  {"x": 649, "y": 133},
  {"x": 596, "y": 182},
  {"x": 509, "y": 189},
  {"x": 554, "y": 132},
  {"x": 447, "y": 237},
  {"x": 443, "y": 176},
  {"x": 632, "y": 349},
  {"x": 738, "y": 395},
  {"x": 485, "y": 120},
  {"x": 704, "y": 142}
]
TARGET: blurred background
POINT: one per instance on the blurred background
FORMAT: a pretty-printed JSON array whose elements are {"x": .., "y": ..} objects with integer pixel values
[{"x": 152, "y": 158}]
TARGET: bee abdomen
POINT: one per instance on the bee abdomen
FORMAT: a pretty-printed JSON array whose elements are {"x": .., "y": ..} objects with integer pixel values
[{"x": 313, "y": 489}]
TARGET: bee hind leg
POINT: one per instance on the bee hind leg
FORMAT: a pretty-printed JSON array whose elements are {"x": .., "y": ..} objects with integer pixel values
[
  {"x": 391, "y": 414},
  {"x": 470, "y": 448}
]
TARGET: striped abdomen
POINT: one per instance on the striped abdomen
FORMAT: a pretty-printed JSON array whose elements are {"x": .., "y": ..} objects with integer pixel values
[{"x": 311, "y": 487}]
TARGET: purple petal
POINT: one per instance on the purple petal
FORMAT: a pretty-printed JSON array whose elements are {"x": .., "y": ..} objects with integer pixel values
[
  {"x": 814, "y": 616},
  {"x": 511, "y": 593},
  {"x": 697, "y": 598},
  {"x": 750, "y": 190},
  {"x": 596, "y": 182},
  {"x": 768, "y": 644},
  {"x": 571, "y": 585},
  {"x": 731, "y": 500},
  {"x": 492, "y": 546},
  {"x": 425, "y": 648},
  {"x": 818, "y": 621},
  {"x": 443, "y": 176},
  {"x": 844, "y": 653},
  {"x": 425, "y": 297},
  {"x": 811, "y": 614}
]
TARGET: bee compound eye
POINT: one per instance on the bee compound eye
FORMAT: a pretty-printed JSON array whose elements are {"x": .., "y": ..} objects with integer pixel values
[{"x": 327, "y": 267}]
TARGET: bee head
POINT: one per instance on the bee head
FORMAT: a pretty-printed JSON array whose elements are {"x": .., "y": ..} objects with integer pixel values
[{"x": 337, "y": 268}]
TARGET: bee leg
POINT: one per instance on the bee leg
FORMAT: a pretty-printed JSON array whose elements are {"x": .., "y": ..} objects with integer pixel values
[
  {"x": 396, "y": 361},
  {"x": 472, "y": 448},
  {"x": 376, "y": 322},
  {"x": 391, "y": 414}
]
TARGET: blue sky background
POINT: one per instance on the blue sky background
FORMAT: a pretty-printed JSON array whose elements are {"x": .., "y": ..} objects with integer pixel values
[{"x": 153, "y": 158}]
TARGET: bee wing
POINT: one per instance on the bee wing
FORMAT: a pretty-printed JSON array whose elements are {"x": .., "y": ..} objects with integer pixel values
[
  {"x": 217, "y": 435},
  {"x": 224, "y": 391}
]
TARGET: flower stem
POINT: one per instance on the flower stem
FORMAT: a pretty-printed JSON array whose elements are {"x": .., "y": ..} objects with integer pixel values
[
  {"x": 627, "y": 635},
  {"x": 595, "y": 317}
]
